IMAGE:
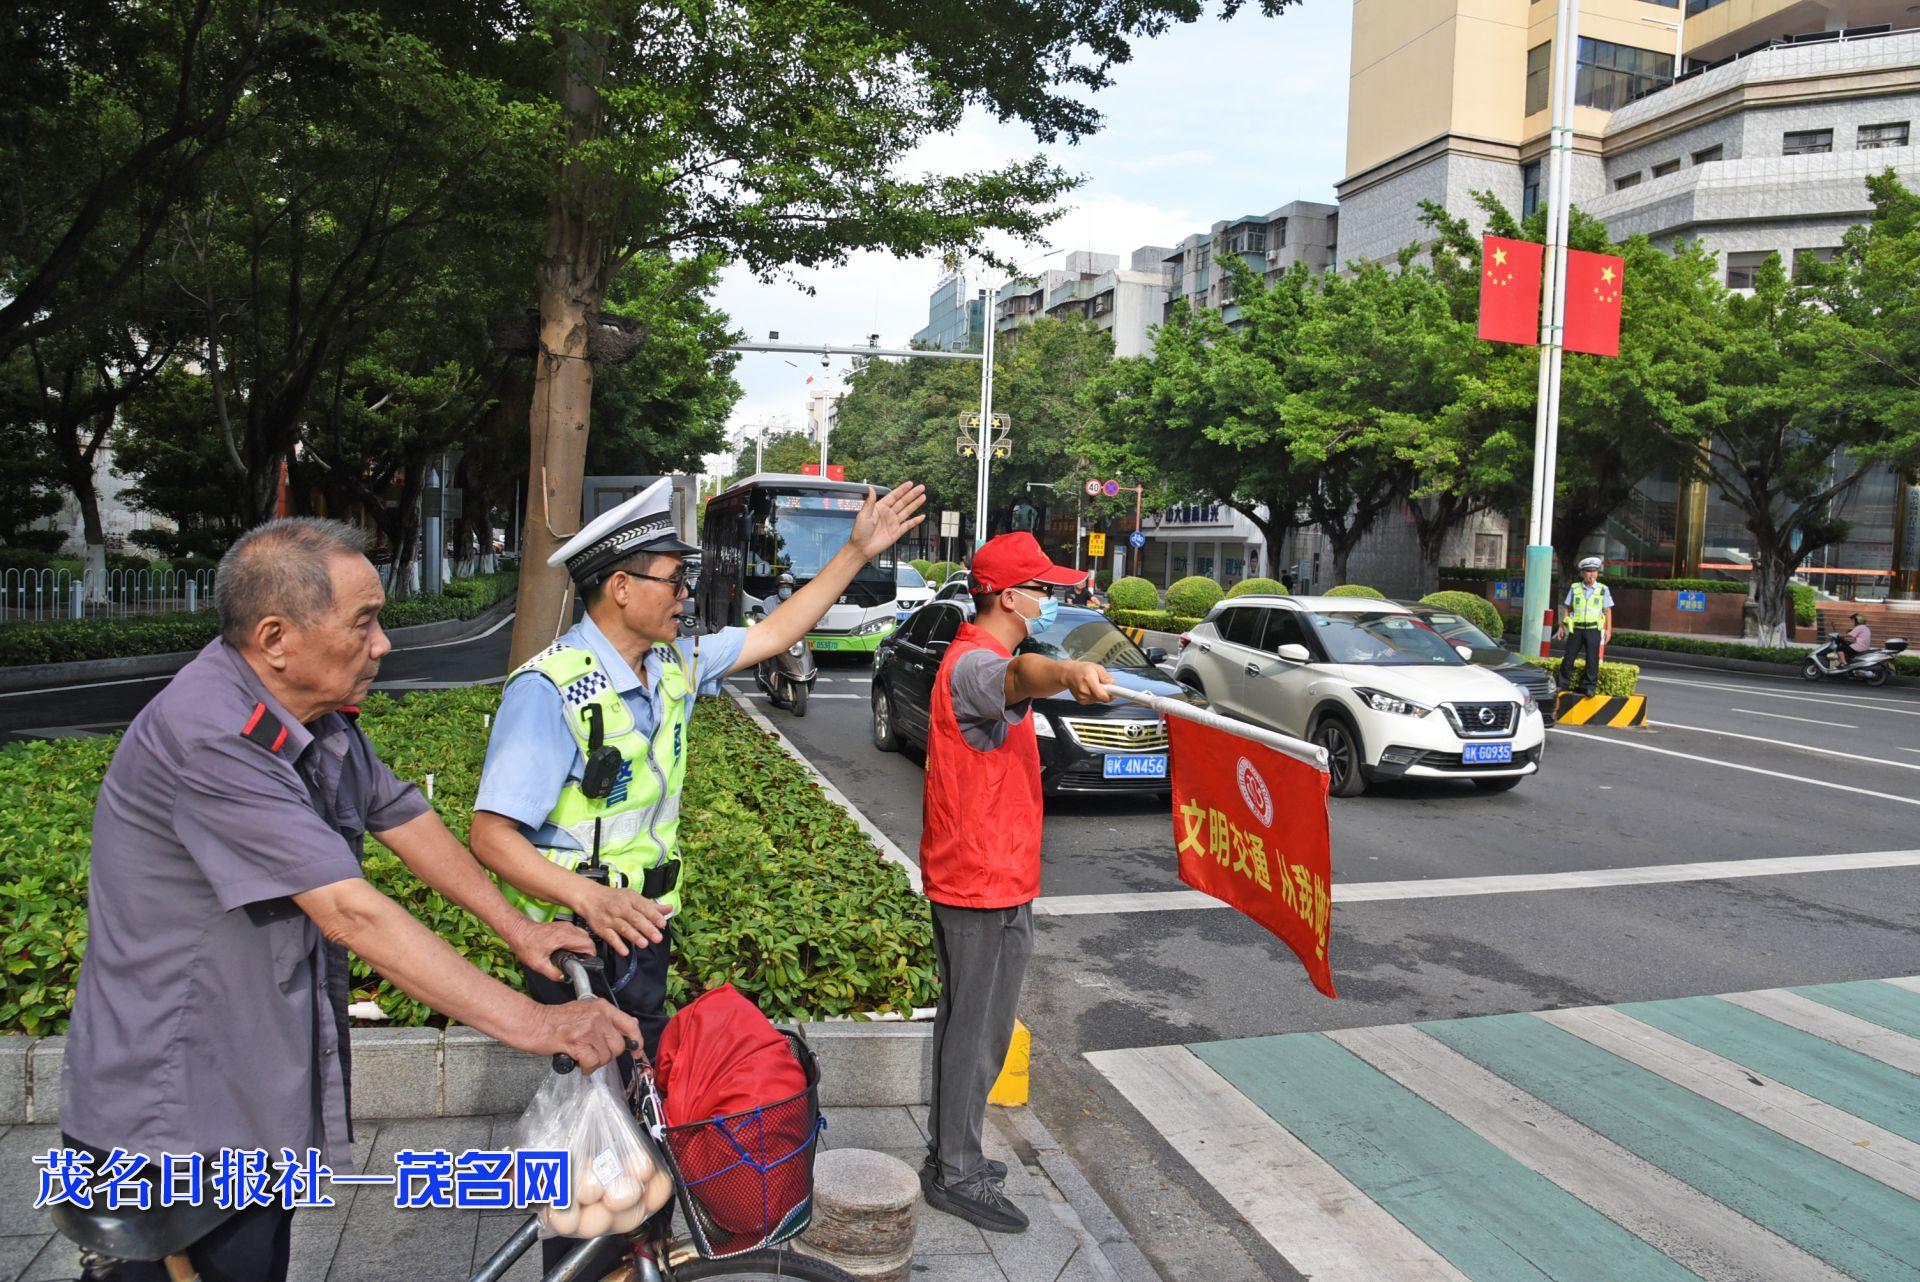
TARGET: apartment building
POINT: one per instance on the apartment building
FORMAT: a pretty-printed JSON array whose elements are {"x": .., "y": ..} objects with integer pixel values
[
  {"x": 1126, "y": 302},
  {"x": 1302, "y": 232}
]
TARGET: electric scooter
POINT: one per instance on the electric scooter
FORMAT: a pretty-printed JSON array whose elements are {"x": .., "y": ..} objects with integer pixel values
[{"x": 1871, "y": 668}]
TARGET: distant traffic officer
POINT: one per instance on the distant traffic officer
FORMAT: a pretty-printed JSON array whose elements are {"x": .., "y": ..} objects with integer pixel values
[{"x": 1586, "y": 621}]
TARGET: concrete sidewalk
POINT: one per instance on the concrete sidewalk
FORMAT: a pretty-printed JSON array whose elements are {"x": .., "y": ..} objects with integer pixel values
[{"x": 365, "y": 1239}]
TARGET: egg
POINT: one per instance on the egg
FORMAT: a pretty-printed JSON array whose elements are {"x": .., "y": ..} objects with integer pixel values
[
  {"x": 563, "y": 1221},
  {"x": 629, "y": 1220},
  {"x": 587, "y": 1189},
  {"x": 659, "y": 1191},
  {"x": 595, "y": 1221},
  {"x": 623, "y": 1193}
]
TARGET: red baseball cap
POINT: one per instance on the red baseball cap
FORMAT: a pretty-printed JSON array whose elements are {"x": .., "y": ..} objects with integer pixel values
[{"x": 1013, "y": 559}]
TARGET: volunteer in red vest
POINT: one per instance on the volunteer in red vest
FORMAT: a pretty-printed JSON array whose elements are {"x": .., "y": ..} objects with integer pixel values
[{"x": 980, "y": 855}]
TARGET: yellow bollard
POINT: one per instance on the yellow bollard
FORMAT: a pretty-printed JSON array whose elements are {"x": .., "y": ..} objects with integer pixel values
[{"x": 1011, "y": 1088}]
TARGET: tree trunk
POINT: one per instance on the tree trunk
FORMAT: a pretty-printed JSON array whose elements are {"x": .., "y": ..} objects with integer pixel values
[
  {"x": 1342, "y": 549},
  {"x": 574, "y": 265},
  {"x": 1770, "y": 574}
]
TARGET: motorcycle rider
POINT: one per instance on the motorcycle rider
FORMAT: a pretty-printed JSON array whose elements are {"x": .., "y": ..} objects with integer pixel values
[
  {"x": 782, "y": 591},
  {"x": 1851, "y": 646}
]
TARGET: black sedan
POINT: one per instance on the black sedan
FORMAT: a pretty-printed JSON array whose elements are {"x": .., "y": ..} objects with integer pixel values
[
  {"x": 1084, "y": 748},
  {"x": 1488, "y": 653}
]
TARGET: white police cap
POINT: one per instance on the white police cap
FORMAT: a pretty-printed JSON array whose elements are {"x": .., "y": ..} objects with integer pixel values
[
  {"x": 644, "y": 523},
  {"x": 1591, "y": 563}
]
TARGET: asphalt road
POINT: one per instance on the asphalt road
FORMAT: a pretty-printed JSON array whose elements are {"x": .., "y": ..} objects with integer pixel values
[{"x": 1733, "y": 768}]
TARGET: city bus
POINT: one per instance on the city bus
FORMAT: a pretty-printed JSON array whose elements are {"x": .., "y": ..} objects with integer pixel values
[{"x": 775, "y": 522}]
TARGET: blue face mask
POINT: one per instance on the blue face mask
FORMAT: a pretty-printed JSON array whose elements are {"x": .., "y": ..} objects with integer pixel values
[{"x": 1048, "y": 616}]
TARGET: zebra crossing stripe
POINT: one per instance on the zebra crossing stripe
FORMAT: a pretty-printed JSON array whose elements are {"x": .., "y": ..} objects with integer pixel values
[
  {"x": 1314, "y": 1216},
  {"x": 1836, "y": 1026},
  {"x": 1692, "y": 1229}
]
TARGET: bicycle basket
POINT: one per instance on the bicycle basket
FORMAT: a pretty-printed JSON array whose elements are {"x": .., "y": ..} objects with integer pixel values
[{"x": 745, "y": 1181}]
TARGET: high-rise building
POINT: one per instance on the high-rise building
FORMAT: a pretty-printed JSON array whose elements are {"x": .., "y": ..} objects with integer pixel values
[
  {"x": 955, "y": 317},
  {"x": 1747, "y": 126},
  {"x": 1126, "y": 302}
]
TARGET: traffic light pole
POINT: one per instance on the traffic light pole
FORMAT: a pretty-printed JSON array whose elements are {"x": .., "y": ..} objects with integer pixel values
[
  {"x": 1553, "y": 315},
  {"x": 986, "y": 427}
]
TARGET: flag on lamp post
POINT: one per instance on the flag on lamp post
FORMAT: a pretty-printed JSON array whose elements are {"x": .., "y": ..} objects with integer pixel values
[
  {"x": 1594, "y": 284},
  {"x": 1510, "y": 290}
]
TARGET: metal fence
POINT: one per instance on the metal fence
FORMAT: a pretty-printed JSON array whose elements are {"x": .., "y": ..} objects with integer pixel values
[{"x": 115, "y": 594}]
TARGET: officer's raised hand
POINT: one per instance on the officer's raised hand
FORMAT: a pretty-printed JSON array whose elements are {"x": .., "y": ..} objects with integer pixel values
[
  {"x": 620, "y": 916},
  {"x": 882, "y": 522},
  {"x": 591, "y": 1032}
]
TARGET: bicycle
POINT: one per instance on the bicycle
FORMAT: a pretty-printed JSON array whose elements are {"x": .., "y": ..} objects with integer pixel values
[{"x": 710, "y": 1250}]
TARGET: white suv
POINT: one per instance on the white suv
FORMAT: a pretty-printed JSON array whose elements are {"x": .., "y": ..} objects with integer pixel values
[{"x": 1384, "y": 694}]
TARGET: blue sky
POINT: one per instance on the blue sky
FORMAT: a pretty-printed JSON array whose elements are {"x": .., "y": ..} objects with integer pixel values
[{"x": 1211, "y": 121}]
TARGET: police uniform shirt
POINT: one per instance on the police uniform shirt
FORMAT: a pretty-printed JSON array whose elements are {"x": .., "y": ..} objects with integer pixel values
[
  {"x": 202, "y": 1017},
  {"x": 1606, "y": 595},
  {"x": 532, "y": 753}
]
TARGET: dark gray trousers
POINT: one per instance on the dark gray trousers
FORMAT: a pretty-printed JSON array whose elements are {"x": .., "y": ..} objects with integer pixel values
[
  {"x": 982, "y": 954},
  {"x": 1582, "y": 643}
]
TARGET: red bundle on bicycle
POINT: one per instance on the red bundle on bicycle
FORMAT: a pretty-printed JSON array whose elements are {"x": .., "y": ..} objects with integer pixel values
[{"x": 740, "y": 1107}]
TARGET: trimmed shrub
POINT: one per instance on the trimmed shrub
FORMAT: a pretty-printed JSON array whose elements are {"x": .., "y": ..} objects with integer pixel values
[
  {"x": 1786, "y": 655},
  {"x": 923, "y": 567},
  {"x": 1357, "y": 589},
  {"x": 940, "y": 571},
  {"x": 1193, "y": 595},
  {"x": 788, "y": 899},
  {"x": 1617, "y": 680},
  {"x": 1479, "y": 611},
  {"x": 1133, "y": 593},
  {"x": 1806, "y": 605},
  {"x": 1262, "y": 587},
  {"x": 1151, "y": 620},
  {"x": 1476, "y": 574},
  {"x": 1181, "y": 622},
  {"x": 1103, "y": 580},
  {"x": 1718, "y": 587}
]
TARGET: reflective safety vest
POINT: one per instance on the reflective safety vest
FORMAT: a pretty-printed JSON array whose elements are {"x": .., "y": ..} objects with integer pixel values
[
  {"x": 639, "y": 820},
  {"x": 1586, "y": 607}
]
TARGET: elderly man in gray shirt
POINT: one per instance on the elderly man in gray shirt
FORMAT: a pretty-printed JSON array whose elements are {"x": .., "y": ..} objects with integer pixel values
[{"x": 225, "y": 891}]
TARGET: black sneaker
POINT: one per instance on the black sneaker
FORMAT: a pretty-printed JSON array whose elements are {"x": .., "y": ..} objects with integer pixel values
[
  {"x": 930, "y": 1171},
  {"x": 980, "y": 1202}
]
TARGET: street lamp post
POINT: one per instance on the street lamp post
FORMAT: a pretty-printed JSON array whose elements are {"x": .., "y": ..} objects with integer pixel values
[{"x": 986, "y": 424}]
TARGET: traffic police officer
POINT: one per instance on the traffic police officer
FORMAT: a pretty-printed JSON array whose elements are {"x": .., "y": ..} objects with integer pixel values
[
  {"x": 588, "y": 752},
  {"x": 1587, "y": 624}
]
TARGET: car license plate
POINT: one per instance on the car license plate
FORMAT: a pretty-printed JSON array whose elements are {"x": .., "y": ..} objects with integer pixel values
[
  {"x": 826, "y": 645},
  {"x": 1487, "y": 754},
  {"x": 1135, "y": 765}
]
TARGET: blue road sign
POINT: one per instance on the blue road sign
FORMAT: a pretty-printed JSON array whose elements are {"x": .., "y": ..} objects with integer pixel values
[
  {"x": 1502, "y": 591},
  {"x": 1692, "y": 602},
  {"x": 1137, "y": 539}
]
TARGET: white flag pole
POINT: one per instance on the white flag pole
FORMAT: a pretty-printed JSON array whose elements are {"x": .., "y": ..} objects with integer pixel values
[{"x": 1299, "y": 749}]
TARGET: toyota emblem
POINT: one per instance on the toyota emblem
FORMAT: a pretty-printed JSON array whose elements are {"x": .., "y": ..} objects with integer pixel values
[
  {"x": 1136, "y": 730},
  {"x": 1486, "y": 716}
]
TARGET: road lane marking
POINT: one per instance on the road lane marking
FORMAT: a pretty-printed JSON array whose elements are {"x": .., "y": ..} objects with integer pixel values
[
  {"x": 1833, "y": 1133},
  {"x": 436, "y": 645},
  {"x": 1788, "y": 743},
  {"x": 1734, "y": 765},
  {"x": 1516, "y": 883},
  {"x": 1836, "y": 1026},
  {"x": 91, "y": 685},
  {"x": 1709, "y": 1238},
  {"x": 1314, "y": 1216},
  {"x": 1781, "y": 716}
]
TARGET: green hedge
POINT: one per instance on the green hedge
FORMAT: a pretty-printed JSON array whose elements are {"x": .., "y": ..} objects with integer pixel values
[
  {"x": 1477, "y": 574},
  {"x": 1103, "y": 580},
  {"x": 940, "y": 571},
  {"x": 1262, "y": 587},
  {"x": 924, "y": 567},
  {"x": 1359, "y": 590},
  {"x": 1723, "y": 587},
  {"x": 82, "y": 640},
  {"x": 1193, "y": 595},
  {"x": 1133, "y": 593},
  {"x": 1806, "y": 604},
  {"x": 785, "y": 897},
  {"x": 1151, "y": 620},
  {"x": 1479, "y": 611},
  {"x": 1617, "y": 680}
]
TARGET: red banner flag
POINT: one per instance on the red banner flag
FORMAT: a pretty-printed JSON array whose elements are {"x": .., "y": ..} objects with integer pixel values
[
  {"x": 1594, "y": 282},
  {"x": 1510, "y": 290},
  {"x": 1251, "y": 828}
]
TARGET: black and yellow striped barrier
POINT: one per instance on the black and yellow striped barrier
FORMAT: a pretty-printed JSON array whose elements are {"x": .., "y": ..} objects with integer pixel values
[
  {"x": 1570, "y": 709},
  {"x": 1136, "y": 635}
]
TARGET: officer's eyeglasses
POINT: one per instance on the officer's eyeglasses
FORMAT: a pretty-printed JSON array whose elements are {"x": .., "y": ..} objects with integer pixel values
[{"x": 677, "y": 580}]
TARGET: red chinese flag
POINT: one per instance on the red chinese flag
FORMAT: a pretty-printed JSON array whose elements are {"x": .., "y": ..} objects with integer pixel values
[
  {"x": 1594, "y": 282},
  {"x": 1250, "y": 825},
  {"x": 1510, "y": 290}
]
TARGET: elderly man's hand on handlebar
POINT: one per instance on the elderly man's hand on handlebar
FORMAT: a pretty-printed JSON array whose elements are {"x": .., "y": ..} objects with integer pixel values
[{"x": 592, "y": 1033}]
